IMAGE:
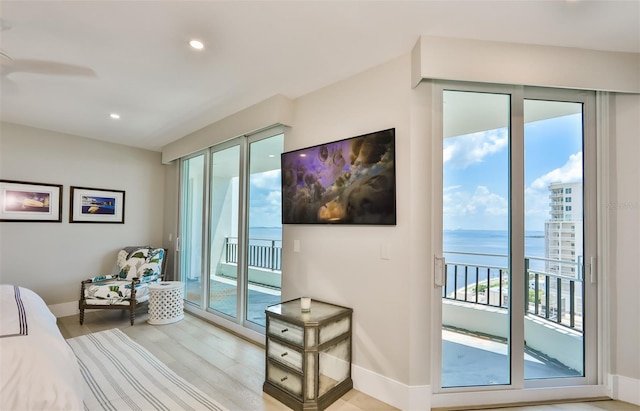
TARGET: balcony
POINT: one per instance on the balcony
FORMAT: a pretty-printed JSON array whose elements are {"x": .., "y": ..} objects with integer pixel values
[
  {"x": 264, "y": 260},
  {"x": 475, "y": 320}
]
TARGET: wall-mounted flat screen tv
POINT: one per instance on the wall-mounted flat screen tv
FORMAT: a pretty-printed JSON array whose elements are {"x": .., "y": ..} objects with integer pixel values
[{"x": 350, "y": 181}]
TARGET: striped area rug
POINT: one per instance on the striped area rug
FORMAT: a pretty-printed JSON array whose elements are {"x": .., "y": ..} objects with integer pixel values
[{"x": 120, "y": 374}]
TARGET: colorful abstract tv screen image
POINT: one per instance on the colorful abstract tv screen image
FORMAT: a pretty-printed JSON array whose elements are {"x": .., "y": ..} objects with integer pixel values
[{"x": 350, "y": 181}]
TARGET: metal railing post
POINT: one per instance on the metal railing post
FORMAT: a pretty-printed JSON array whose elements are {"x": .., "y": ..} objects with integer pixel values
[
  {"x": 559, "y": 300},
  {"x": 488, "y": 286},
  {"x": 446, "y": 281},
  {"x": 572, "y": 304},
  {"x": 537, "y": 294},
  {"x": 455, "y": 282},
  {"x": 476, "y": 287},
  {"x": 272, "y": 255},
  {"x": 466, "y": 281},
  {"x": 500, "y": 288},
  {"x": 526, "y": 285},
  {"x": 546, "y": 297}
]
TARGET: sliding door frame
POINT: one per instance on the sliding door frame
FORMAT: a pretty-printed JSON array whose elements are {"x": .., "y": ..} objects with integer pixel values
[
  {"x": 519, "y": 389},
  {"x": 205, "y": 216},
  {"x": 238, "y": 324}
]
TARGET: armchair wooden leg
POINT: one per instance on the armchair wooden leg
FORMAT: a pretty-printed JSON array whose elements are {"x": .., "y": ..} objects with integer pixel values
[
  {"x": 81, "y": 315},
  {"x": 133, "y": 313}
]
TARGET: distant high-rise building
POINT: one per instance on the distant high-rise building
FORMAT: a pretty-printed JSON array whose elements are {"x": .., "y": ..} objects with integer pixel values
[{"x": 563, "y": 229}]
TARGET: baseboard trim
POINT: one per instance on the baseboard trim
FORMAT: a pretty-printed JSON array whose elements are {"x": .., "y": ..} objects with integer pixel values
[
  {"x": 64, "y": 309},
  {"x": 625, "y": 389},
  {"x": 404, "y": 397}
]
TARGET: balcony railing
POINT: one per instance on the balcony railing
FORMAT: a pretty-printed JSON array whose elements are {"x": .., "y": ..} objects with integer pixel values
[
  {"x": 262, "y": 253},
  {"x": 553, "y": 297}
]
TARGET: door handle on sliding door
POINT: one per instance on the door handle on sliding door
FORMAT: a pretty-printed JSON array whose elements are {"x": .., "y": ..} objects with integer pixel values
[{"x": 439, "y": 265}]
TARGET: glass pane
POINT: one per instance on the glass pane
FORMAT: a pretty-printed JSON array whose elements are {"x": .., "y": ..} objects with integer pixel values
[
  {"x": 475, "y": 295},
  {"x": 264, "y": 250},
  {"x": 191, "y": 226},
  {"x": 554, "y": 343},
  {"x": 224, "y": 230}
]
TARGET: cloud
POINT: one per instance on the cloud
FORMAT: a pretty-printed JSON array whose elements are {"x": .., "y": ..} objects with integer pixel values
[
  {"x": 481, "y": 203},
  {"x": 570, "y": 172},
  {"x": 274, "y": 198},
  {"x": 464, "y": 151},
  {"x": 266, "y": 179}
]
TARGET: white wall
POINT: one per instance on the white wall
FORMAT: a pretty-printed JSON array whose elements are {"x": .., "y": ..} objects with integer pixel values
[
  {"x": 52, "y": 258},
  {"x": 344, "y": 264},
  {"x": 624, "y": 214}
]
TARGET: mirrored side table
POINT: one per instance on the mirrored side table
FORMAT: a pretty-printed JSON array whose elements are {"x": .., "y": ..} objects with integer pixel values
[{"x": 308, "y": 354}]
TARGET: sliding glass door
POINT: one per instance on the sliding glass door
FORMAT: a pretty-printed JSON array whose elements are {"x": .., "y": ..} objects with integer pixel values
[
  {"x": 264, "y": 222},
  {"x": 518, "y": 231},
  {"x": 223, "y": 228},
  {"x": 554, "y": 239},
  {"x": 239, "y": 230},
  {"x": 192, "y": 226},
  {"x": 475, "y": 298}
]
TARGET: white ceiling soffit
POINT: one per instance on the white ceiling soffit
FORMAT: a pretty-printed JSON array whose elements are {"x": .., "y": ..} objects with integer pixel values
[{"x": 163, "y": 90}]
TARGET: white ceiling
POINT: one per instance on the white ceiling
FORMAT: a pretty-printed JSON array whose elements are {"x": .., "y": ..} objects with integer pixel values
[{"x": 163, "y": 90}]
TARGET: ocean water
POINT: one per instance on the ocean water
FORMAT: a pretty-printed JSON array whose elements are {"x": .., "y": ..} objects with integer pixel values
[
  {"x": 492, "y": 242},
  {"x": 265, "y": 233}
]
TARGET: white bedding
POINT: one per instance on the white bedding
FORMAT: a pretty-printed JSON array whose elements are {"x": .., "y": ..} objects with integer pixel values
[{"x": 38, "y": 370}]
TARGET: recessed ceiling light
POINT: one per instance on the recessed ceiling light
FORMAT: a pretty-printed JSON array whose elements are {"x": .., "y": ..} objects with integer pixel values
[
  {"x": 196, "y": 44},
  {"x": 114, "y": 116},
  {"x": 271, "y": 155}
]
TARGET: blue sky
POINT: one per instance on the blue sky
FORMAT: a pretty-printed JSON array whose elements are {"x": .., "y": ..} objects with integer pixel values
[
  {"x": 476, "y": 175},
  {"x": 265, "y": 199}
]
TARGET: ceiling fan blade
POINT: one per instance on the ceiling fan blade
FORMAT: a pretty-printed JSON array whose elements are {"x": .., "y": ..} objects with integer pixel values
[
  {"x": 9, "y": 87},
  {"x": 44, "y": 67}
]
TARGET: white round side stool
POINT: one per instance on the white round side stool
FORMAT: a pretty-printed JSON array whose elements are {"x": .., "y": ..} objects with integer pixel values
[{"x": 166, "y": 303}]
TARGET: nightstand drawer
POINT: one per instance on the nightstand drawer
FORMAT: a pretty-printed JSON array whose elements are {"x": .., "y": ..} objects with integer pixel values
[
  {"x": 288, "y": 381},
  {"x": 284, "y": 355},
  {"x": 286, "y": 331}
]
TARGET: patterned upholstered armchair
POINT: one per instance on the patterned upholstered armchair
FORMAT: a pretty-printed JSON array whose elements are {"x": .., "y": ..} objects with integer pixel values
[{"x": 129, "y": 288}]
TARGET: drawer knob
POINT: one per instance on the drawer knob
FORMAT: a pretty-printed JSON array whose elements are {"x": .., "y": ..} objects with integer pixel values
[
  {"x": 283, "y": 379},
  {"x": 284, "y": 330},
  {"x": 284, "y": 354}
]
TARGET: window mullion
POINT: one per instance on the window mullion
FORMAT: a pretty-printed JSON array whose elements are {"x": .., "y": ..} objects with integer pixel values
[
  {"x": 516, "y": 241},
  {"x": 243, "y": 231}
]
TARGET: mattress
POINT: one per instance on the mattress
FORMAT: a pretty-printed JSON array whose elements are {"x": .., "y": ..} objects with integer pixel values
[{"x": 38, "y": 370}]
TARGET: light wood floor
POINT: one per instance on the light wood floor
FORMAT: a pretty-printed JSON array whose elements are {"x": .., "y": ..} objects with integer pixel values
[{"x": 231, "y": 369}]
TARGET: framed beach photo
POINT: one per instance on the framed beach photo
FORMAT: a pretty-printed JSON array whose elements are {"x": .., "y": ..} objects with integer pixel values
[
  {"x": 22, "y": 201},
  {"x": 96, "y": 205}
]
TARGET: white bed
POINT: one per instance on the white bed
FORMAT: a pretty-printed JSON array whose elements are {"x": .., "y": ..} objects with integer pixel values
[{"x": 38, "y": 370}]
